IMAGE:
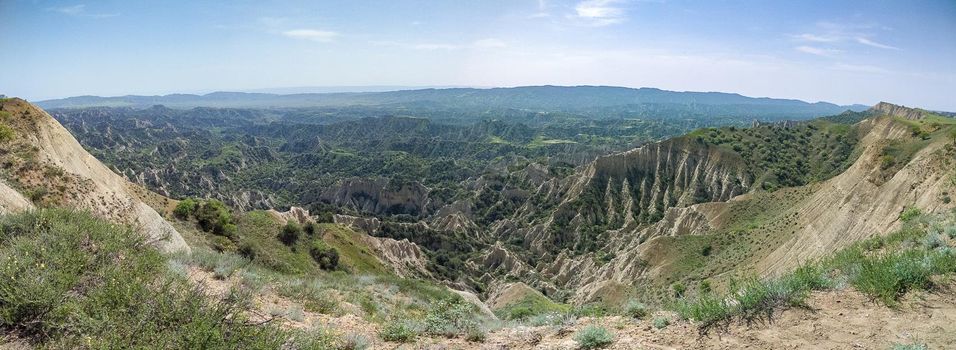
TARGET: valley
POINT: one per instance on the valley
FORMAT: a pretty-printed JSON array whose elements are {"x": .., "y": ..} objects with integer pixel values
[{"x": 350, "y": 227}]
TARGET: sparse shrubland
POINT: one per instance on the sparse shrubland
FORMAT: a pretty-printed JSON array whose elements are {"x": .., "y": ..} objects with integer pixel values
[{"x": 882, "y": 268}]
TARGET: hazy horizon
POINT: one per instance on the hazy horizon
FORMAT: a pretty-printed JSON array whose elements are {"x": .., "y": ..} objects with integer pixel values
[
  {"x": 848, "y": 52},
  {"x": 375, "y": 89}
]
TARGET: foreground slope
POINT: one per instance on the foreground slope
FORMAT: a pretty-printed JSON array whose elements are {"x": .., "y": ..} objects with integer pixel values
[{"x": 42, "y": 162}]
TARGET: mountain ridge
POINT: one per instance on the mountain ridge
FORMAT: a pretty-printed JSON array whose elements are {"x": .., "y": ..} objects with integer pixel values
[{"x": 535, "y": 97}]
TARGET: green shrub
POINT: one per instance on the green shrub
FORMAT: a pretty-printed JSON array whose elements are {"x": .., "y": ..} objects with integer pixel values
[
  {"x": 705, "y": 287},
  {"x": 400, "y": 331},
  {"x": 185, "y": 209},
  {"x": 327, "y": 257},
  {"x": 635, "y": 309},
  {"x": 222, "y": 244},
  {"x": 709, "y": 310},
  {"x": 660, "y": 322},
  {"x": 248, "y": 250},
  {"x": 679, "y": 289},
  {"x": 310, "y": 228},
  {"x": 476, "y": 335},
  {"x": 213, "y": 216},
  {"x": 886, "y": 278},
  {"x": 450, "y": 317},
  {"x": 73, "y": 281},
  {"x": 290, "y": 233},
  {"x": 6, "y": 133},
  {"x": 909, "y": 214},
  {"x": 593, "y": 337}
]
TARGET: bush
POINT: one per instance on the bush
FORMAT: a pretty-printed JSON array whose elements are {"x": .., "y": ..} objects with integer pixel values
[
  {"x": 886, "y": 278},
  {"x": 705, "y": 287},
  {"x": 476, "y": 335},
  {"x": 310, "y": 228},
  {"x": 290, "y": 233},
  {"x": 222, "y": 244},
  {"x": 909, "y": 214},
  {"x": 635, "y": 309},
  {"x": 213, "y": 216},
  {"x": 679, "y": 289},
  {"x": 398, "y": 331},
  {"x": 248, "y": 250},
  {"x": 185, "y": 208},
  {"x": 6, "y": 133},
  {"x": 327, "y": 257},
  {"x": 354, "y": 342},
  {"x": 933, "y": 240},
  {"x": 709, "y": 310},
  {"x": 661, "y": 322},
  {"x": 73, "y": 281},
  {"x": 451, "y": 317},
  {"x": 593, "y": 337}
]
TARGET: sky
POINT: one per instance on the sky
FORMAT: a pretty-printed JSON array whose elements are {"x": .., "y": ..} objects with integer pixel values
[{"x": 838, "y": 51}]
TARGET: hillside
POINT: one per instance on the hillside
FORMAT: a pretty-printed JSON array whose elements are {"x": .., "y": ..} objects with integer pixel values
[{"x": 44, "y": 166}]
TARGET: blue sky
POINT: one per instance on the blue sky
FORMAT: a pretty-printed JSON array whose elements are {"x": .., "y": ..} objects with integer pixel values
[{"x": 839, "y": 51}]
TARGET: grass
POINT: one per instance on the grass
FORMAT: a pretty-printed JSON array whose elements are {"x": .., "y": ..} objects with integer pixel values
[
  {"x": 882, "y": 268},
  {"x": 73, "y": 281}
]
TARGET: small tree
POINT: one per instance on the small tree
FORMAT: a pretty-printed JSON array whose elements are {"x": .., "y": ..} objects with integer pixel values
[
  {"x": 327, "y": 257},
  {"x": 290, "y": 233},
  {"x": 185, "y": 208}
]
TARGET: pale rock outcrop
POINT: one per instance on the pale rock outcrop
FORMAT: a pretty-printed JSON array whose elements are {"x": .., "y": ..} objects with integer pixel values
[
  {"x": 295, "y": 214},
  {"x": 12, "y": 201},
  {"x": 406, "y": 258}
]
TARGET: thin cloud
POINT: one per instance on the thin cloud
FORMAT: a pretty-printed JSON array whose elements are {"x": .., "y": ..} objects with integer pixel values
[
  {"x": 872, "y": 43},
  {"x": 600, "y": 12},
  {"x": 841, "y": 35},
  {"x": 816, "y": 38},
  {"x": 79, "y": 10},
  {"x": 481, "y": 44},
  {"x": 322, "y": 36},
  {"x": 817, "y": 51}
]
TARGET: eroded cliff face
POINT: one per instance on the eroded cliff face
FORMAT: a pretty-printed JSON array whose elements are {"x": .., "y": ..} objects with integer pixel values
[
  {"x": 824, "y": 217},
  {"x": 44, "y": 159},
  {"x": 898, "y": 111},
  {"x": 639, "y": 186},
  {"x": 639, "y": 206},
  {"x": 376, "y": 197}
]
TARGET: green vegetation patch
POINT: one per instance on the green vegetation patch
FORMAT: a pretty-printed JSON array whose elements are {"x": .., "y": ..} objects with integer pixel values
[
  {"x": 73, "y": 281},
  {"x": 531, "y": 304}
]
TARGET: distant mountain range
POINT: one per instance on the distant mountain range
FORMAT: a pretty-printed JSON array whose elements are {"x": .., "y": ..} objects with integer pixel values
[{"x": 596, "y": 100}]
